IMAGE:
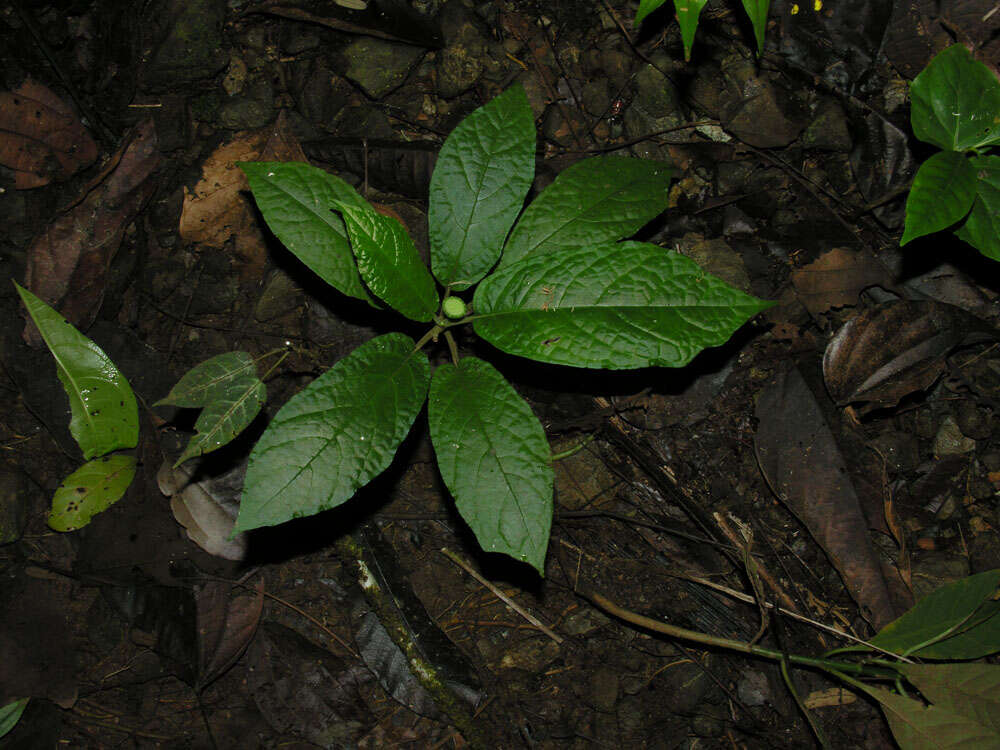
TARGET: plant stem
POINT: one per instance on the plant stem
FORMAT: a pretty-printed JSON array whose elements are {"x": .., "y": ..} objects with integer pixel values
[
  {"x": 431, "y": 334},
  {"x": 452, "y": 347},
  {"x": 273, "y": 367},
  {"x": 574, "y": 450}
]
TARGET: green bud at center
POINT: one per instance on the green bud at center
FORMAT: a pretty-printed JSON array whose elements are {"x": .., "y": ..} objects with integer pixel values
[{"x": 453, "y": 307}]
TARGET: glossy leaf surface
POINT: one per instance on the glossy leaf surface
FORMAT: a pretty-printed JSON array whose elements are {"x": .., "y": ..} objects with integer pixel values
[
  {"x": 494, "y": 458},
  {"x": 757, "y": 13},
  {"x": 336, "y": 435},
  {"x": 597, "y": 200},
  {"x": 645, "y": 8},
  {"x": 105, "y": 416},
  {"x": 942, "y": 194},
  {"x": 389, "y": 263},
  {"x": 230, "y": 394},
  {"x": 613, "y": 306},
  {"x": 479, "y": 184},
  {"x": 688, "y": 12},
  {"x": 94, "y": 487},
  {"x": 296, "y": 201},
  {"x": 982, "y": 228}
]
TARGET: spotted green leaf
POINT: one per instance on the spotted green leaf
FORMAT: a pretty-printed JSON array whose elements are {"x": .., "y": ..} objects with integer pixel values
[{"x": 91, "y": 489}]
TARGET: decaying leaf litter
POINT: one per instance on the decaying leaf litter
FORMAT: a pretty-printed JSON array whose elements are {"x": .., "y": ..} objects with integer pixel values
[{"x": 157, "y": 253}]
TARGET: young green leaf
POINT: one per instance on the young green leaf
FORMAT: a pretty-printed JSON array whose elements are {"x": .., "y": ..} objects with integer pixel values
[
  {"x": 10, "y": 714},
  {"x": 389, "y": 263},
  {"x": 645, "y": 8},
  {"x": 94, "y": 487},
  {"x": 494, "y": 459},
  {"x": 955, "y": 621},
  {"x": 687, "y": 16},
  {"x": 336, "y": 435},
  {"x": 601, "y": 199},
  {"x": 942, "y": 194},
  {"x": 480, "y": 181},
  {"x": 757, "y": 13},
  {"x": 296, "y": 201},
  {"x": 105, "y": 416},
  {"x": 982, "y": 228},
  {"x": 614, "y": 306},
  {"x": 972, "y": 690},
  {"x": 955, "y": 102},
  {"x": 228, "y": 388}
]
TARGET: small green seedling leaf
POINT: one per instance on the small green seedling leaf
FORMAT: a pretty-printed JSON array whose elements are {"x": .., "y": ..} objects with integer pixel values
[
  {"x": 296, "y": 201},
  {"x": 11, "y": 714},
  {"x": 613, "y": 306},
  {"x": 105, "y": 416},
  {"x": 645, "y": 8},
  {"x": 942, "y": 194},
  {"x": 757, "y": 13},
  {"x": 336, "y": 435},
  {"x": 971, "y": 690},
  {"x": 91, "y": 489},
  {"x": 480, "y": 181},
  {"x": 230, "y": 394},
  {"x": 982, "y": 228},
  {"x": 687, "y": 16},
  {"x": 956, "y": 621},
  {"x": 494, "y": 459},
  {"x": 597, "y": 200},
  {"x": 389, "y": 263},
  {"x": 955, "y": 102}
]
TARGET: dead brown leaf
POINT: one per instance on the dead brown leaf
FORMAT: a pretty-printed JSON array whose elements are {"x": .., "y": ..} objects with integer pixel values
[{"x": 836, "y": 278}]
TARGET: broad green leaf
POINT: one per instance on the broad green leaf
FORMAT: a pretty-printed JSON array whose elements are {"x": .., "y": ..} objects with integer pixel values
[
  {"x": 645, "y": 8},
  {"x": 11, "y": 714},
  {"x": 91, "y": 489},
  {"x": 480, "y": 181},
  {"x": 955, "y": 102},
  {"x": 757, "y": 13},
  {"x": 941, "y": 195},
  {"x": 494, "y": 458},
  {"x": 104, "y": 412},
  {"x": 336, "y": 435},
  {"x": 972, "y": 690},
  {"x": 228, "y": 388},
  {"x": 296, "y": 201},
  {"x": 958, "y": 609},
  {"x": 613, "y": 306},
  {"x": 389, "y": 263},
  {"x": 916, "y": 726},
  {"x": 982, "y": 228},
  {"x": 601, "y": 199},
  {"x": 687, "y": 16}
]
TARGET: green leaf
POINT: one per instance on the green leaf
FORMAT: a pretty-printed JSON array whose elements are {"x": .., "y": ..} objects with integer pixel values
[
  {"x": 614, "y": 306},
  {"x": 687, "y": 16},
  {"x": 11, "y": 714},
  {"x": 957, "y": 609},
  {"x": 601, "y": 199},
  {"x": 91, "y": 489},
  {"x": 228, "y": 388},
  {"x": 916, "y": 726},
  {"x": 296, "y": 201},
  {"x": 757, "y": 13},
  {"x": 645, "y": 8},
  {"x": 955, "y": 102},
  {"x": 494, "y": 458},
  {"x": 104, "y": 412},
  {"x": 942, "y": 194},
  {"x": 982, "y": 228},
  {"x": 972, "y": 690},
  {"x": 389, "y": 263},
  {"x": 480, "y": 181},
  {"x": 336, "y": 435}
]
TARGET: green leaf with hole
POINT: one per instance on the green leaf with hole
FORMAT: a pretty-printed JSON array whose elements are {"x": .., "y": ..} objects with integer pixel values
[
  {"x": 614, "y": 306},
  {"x": 296, "y": 201},
  {"x": 229, "y": 393},
  {"x": 389, "y": 263},
  {"x": 956, "y": 621},
  {"x": 757, "y": 13},
  {"x": 688, "y": 12},
  {"x": 597, "y": 200},
  {"x": 942, "y": 194},
  {"x": 982, "y": 228},
  {"x": 91, "y": 489},
  {"x": 105, "y": 416},
  {"x": 481, "y": 178},
  {"x": 11, "y": 714},
  {"x": 336, "y": 435},
  {"x": 494, "y": 459},
  {"x": 645, "y": 8},
  {"x": 955, "y": 102}
]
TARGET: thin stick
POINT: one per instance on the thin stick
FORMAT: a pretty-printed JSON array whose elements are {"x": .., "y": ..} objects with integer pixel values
[{"x": 500, "y": 595}]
